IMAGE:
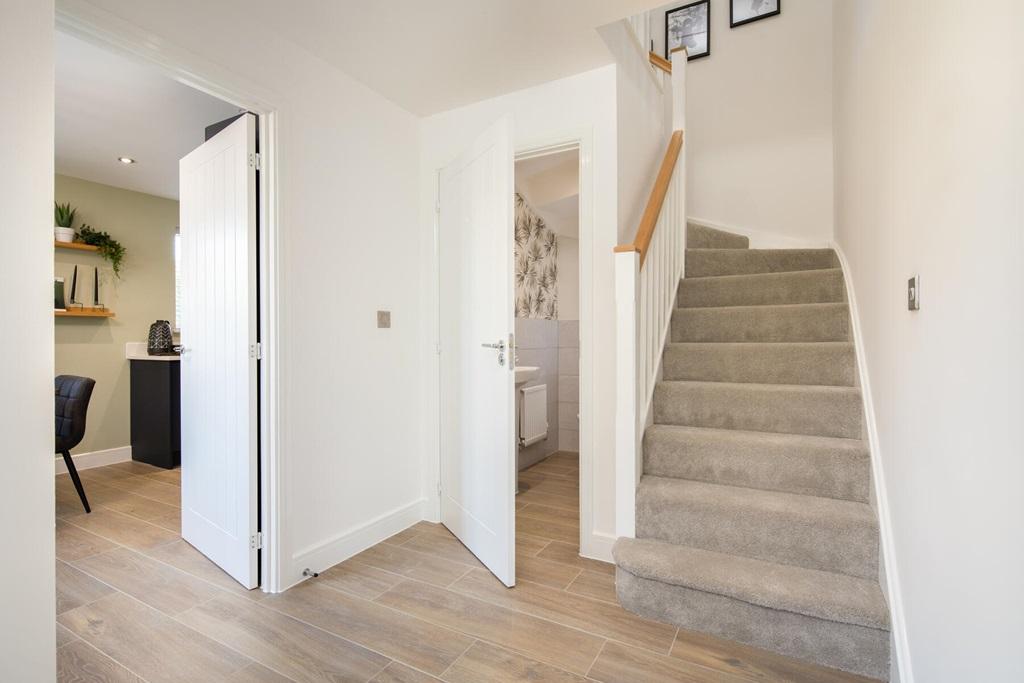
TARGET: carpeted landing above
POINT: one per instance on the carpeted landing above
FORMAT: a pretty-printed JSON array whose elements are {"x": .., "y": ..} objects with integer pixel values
[{"x": 753, "y": 519}]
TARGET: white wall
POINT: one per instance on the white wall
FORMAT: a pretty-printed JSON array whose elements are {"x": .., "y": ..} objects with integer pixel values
[
  {"x": 644, "y": 119},
  {"x": 582, "y": 105},
  {"x": 348, "y": 189},
  {"x": 929, "y": 143},
  {"x": 759, "y": 123},
  {"x": 27, "y": 603}
]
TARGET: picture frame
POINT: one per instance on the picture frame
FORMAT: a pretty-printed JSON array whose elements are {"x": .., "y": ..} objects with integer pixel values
[
  {"x": 746, "y": 11},
  {"x": 689, "y": 26}
]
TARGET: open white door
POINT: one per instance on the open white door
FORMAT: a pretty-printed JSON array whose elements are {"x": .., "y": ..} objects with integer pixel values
[
  {"x": 219, "y": 504},
  {"x": 476, "y": 310}
]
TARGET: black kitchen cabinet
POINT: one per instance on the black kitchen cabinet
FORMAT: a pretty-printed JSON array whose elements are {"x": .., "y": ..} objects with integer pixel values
[{"x": 156, "y": 412}]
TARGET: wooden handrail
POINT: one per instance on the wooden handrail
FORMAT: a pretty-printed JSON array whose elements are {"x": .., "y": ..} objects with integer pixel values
[
  {"x": 660, "y": 62},
  {"x": 650, "y": 217}
]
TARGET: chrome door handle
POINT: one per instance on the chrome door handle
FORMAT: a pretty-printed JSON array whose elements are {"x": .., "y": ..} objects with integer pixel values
[{"x": 500, "y": 346}]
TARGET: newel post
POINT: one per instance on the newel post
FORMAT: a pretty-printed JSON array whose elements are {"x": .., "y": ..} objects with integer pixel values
[{"x": 627, "y": 434}]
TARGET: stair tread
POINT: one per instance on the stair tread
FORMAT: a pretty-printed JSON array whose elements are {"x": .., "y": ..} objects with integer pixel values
[
  {"x": 855, "y": 447},
  {"x": 763, "y": 276},
  {"x": 762, "y": 323},
  {"x": 830, "y": 467},
  {"x": 810, "y": 592},
  {"x": 779, "y": 388},
  {"x": 703, "y": 262},
  {"x": 815, "y": 508},
  {"x": 824, "y": 285}
]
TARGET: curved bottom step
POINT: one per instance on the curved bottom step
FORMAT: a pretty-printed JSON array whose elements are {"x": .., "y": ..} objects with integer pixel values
[{"x": 711, "y": 592}]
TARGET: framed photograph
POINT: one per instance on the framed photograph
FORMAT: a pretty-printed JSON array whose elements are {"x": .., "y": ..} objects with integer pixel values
[
  {"x": 689, "y": 26},
  {"x": 745, "y": 11}
]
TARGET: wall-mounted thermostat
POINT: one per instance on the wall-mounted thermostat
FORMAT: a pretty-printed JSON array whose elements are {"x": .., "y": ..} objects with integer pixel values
[{"x": 914, "y": 293}]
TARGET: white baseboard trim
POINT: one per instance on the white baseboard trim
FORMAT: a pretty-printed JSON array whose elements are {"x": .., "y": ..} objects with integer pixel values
[
  {"x": 761, "y": 239},
  {"x": 340, "y": 547},
  {"x": 86, "y": 461},
  {"x": 598, "y": 546},
  {"x": 900, "y": 644}
]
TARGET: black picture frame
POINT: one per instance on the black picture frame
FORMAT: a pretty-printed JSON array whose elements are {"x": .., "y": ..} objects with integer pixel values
[
  {"x": 682, "y": 8},
  {"x": 732, "y": 13}
]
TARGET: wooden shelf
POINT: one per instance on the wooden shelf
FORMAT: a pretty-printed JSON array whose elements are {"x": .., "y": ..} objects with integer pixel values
[
  {"x": 84, "y": 313},
  {"x": 80, "y": 246}
]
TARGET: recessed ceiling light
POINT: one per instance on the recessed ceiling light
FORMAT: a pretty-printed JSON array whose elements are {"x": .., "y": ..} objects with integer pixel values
[{"x": 126, "y": 160}]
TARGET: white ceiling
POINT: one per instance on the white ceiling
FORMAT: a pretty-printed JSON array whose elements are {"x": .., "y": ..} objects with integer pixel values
[
  {"x": 551, "y": 185},
  {"x": 109, "y": 106},
  {"x": 434, "y": 56}
]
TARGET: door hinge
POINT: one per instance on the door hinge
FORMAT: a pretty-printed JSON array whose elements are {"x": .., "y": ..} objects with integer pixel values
[
  {"x": 255, "y": 161},
  {"x": 256, "y": 541},
  {"x": 439, "y": 489},
  {"x": 256, "y": 351}
]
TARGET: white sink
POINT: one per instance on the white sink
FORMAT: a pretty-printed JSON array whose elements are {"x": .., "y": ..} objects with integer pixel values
[{"x": 524, "y": 373}]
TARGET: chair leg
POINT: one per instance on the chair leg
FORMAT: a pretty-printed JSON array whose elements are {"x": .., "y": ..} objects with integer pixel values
[{"x": 74, "y": 477}]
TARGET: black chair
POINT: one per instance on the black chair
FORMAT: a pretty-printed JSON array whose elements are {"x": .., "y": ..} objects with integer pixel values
[{"x": 71, "y": 399}]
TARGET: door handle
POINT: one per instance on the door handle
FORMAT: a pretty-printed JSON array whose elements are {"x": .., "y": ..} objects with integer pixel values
[{"x": 500, "y": 346}]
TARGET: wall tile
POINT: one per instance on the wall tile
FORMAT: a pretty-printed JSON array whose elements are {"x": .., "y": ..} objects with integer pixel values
[
  {"x": 536, "y": 333},
  {"x": 569, "y": 362},
  {"x": 568, "y": 440},
  {"x": 569, "y": 388},
  {"x": 567, "y": 413},
  {"x": 569, "y": 334}
]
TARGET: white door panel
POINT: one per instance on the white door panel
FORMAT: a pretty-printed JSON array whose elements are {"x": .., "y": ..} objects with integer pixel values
[
  {"x": 218, "y": 366},
  {"x": 478, "y": 456}
]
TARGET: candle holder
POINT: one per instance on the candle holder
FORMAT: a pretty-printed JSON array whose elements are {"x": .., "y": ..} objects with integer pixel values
[{"x": 73, "y": 302}]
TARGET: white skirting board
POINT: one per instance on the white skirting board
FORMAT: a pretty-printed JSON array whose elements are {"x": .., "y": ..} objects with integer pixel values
[
  {"x": 326, "y": 554},
  {"x": 85, "y": 461},
  {"x": 891, "y": 581}
]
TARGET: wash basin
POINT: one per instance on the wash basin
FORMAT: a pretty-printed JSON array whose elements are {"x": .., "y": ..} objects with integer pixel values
[{"x": 524, "y": 373}]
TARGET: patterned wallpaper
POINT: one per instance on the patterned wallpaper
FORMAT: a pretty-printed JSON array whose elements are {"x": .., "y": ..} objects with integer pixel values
[{"x": 536, "y": 252}]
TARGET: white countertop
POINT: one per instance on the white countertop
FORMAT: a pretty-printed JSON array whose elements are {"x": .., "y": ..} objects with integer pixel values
[{"x": 137, "y": 351}]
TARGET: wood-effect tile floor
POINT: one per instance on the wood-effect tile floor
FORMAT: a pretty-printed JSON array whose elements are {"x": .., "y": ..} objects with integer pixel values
[{"x": 136, "y": 603}]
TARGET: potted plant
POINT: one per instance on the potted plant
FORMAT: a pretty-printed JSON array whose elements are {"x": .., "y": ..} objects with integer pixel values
[
  {"x": 63, "y": 219},
  {"x": 109, "y": 248}
]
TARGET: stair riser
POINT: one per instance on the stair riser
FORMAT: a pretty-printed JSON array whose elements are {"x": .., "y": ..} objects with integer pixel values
[
  {"x": 847, "y": 545},
  {"x": 812, "y": 470},
  {"x": 821, "y": 364},
  {"x": 811, "y": 323},
  {"x": 708, "y": 262},
  {"x": 758, "y": 408},
  {"x": 857, "y": 649},
  {"x": 808, "y": 287},
  {"x": 700, "y": 237}
]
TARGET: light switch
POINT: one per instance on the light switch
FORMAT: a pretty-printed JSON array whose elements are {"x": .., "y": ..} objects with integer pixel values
[
  {"x": 383, "y": 319},
  {"x": 914, "y": 293}
]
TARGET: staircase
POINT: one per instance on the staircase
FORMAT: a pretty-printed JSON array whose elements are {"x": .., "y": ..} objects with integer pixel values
[{"x": 752, "y": 514}]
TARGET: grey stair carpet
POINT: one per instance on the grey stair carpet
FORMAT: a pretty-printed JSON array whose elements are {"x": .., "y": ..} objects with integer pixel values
[
  {"x": 705, "y": 262},
  {"x": 825, "y": 363},
  {"x": 793, "y": 323},
  {"x": 753, "y": 519},
  {"x": 703, "y": 237}
]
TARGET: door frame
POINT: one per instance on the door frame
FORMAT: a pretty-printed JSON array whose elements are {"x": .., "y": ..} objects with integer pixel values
[
  {"x": 581, "y": 139},
  {"x": 113, "y": 33}
]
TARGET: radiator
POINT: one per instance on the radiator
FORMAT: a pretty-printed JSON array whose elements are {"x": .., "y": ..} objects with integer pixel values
[{"x": 533, "y": 414}]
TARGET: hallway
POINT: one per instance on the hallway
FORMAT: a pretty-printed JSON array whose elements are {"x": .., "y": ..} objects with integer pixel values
[{"x": 136, "y": 603}]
